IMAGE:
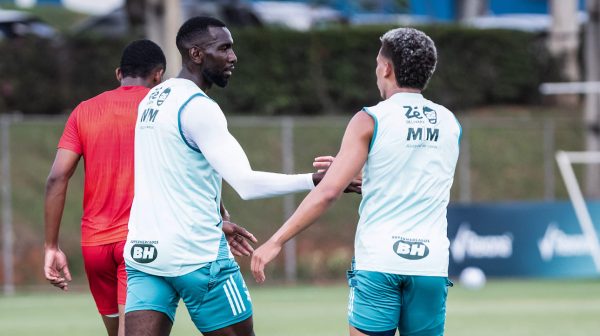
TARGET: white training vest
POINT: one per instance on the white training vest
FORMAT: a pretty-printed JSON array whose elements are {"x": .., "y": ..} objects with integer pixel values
[
  {"x": 406, "y": 187},
  {"x": 175, "y": 223}
]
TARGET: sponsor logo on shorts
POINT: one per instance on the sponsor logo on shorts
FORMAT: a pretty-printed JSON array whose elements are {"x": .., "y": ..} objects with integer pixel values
[
  {"x": 411, "y": 249},
  {"x": 144, "y": 253}
]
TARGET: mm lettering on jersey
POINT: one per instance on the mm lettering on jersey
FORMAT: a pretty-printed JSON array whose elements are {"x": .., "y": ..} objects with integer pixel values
[
  {"x": 416, "y": 133},
  {"x": 149, "y": 115},
  {"x": 411, "y": 250},
  {"x": 144, "y": 253}
]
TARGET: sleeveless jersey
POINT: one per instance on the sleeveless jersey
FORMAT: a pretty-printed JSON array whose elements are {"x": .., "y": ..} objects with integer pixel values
[
  {"x": 175, "y": 223},
  {"x": 406, "y": 187}
]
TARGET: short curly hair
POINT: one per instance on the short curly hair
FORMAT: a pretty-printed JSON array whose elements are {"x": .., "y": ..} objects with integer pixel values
[{"x": 413, "y": 55}]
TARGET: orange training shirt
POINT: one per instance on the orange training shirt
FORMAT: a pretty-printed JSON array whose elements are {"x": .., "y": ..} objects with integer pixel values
[{"x": 102, "y": 130}]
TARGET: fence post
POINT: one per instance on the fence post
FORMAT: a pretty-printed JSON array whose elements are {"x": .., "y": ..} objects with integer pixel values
[
  {"x": 7, "y": 225},
  {"x": 464, "y": 164},
  {"x": 287, "y": 155},
  {"x": 549, "y": 148}
]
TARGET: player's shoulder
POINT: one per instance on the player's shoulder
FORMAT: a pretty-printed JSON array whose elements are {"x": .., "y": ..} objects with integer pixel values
[
  {"x": 380, "y": 109},
  {"x": 94, "y": 102},
  {"x": 438, "y": 111},
  {"x": 186, "y": 91},
  {"x": 435, "y": 105}
]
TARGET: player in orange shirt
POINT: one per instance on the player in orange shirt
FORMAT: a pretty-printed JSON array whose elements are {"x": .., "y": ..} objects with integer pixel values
[{"x": 101, "y": 130}]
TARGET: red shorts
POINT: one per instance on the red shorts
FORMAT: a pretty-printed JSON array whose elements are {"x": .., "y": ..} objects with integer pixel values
[{"x": 105, "y": 269}]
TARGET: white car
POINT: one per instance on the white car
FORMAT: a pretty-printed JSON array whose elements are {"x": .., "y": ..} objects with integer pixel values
[
  {"x": 15, "y": 24},
  {"x": 296, "y": 15},
  {"x": 535, "y": 23}
]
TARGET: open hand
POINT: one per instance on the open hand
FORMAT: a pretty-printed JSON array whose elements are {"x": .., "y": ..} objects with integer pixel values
[
  {"x": 56, "y": 269},
  {"x": 322, "y": 163},
  {"x": 261, "y": 257},
  {"x": 238, "y": 239}
]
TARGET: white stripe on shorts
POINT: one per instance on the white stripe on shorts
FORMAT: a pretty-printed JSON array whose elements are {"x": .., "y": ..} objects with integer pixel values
[
  {"x": 237, "y": 292},
  {"x": 351, "y": 302},
  {"x": 235, "y": 299},
  {"x": 229, "y": 299}
]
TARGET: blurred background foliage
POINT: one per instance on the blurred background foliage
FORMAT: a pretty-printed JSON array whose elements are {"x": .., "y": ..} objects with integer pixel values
[{"x": 286, "y": 72}]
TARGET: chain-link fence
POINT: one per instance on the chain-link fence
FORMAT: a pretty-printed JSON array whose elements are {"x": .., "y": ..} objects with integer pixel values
[{"x": 502, "y": 159}]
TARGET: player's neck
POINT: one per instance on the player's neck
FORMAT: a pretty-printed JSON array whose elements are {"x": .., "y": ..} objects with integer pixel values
[
  {"x": 133, "y": 81},
  {"x": 393, "y": 90},
  {"x": 195, "y": 77}
]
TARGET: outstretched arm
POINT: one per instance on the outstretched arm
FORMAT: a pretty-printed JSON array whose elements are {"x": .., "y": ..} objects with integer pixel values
[
  {"x": 56, "y": 269},
  {"x": 347, "y": 164},
  {"x": 205, "y": 127}
]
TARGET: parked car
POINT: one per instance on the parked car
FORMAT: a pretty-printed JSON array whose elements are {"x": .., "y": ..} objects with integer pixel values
[
  {"x": 536, "y": 23},
  {"x": 15, "y": 24},
  {"x": 232, "y": 12},
  {"x": 296, "y": 15}
]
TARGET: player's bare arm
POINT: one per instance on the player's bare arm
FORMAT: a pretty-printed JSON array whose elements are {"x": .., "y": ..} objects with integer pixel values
[
  {"x": 56, "y": 269},
  {"x": 322, "y": 163},
  {"x": 348, "y": 163}
]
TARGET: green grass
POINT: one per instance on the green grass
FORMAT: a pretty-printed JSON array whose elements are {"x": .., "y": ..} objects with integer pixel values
[{"x": 516, "y": 308}]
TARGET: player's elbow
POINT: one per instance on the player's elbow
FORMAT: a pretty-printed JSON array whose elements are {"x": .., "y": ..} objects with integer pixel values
[
  {"x": 247, "y": 193},
  {"x": 329, "y": 195},
  {"x": 246, "y": 196},
  {"x": 55, "y": 180}
]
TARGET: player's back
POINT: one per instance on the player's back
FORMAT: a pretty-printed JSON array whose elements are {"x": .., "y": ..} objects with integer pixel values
[
  {"x": 101, "y": 129},
  {"x": 406, "y": 187}
]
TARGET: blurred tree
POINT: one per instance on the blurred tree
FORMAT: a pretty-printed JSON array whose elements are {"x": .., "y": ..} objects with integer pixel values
[
  {"x": 563, "y": 41},
  {"x": 157, "y": 20},
  {"x": 136, "y": 15}
]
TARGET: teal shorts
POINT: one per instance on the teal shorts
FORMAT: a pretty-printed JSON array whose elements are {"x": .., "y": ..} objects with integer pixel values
[
  {"x": 215, "y": 295},
  {"x": 381, "y": 302}
]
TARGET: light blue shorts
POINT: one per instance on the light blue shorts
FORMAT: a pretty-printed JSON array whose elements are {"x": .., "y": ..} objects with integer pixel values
[
  {"x": 380, "y": 302},
  {"x": 215, "y": 295}
]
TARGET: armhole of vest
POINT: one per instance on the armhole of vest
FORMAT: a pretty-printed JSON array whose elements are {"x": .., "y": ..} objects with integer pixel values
[
  {"x": 179, "y": 120},
  {"x": 459, "y": 128},
  {"x": 374, "y": 128}
]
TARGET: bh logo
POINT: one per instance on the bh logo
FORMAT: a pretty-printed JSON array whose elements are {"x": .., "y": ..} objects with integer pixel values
[
  {"x": 144, "y": 253},
  {"x": 411, "y": 250}
]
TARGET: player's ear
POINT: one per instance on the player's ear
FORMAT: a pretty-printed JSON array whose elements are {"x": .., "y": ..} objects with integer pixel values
[
  {"x": 388, "y": 70},
  {"x": 119, "y": 74},
  {"x": 196, "y": 54},
  {"x": 158, "y": 75}
]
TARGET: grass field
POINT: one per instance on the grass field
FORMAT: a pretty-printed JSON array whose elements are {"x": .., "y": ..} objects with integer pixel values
[{"x": 516, "y": 308}]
